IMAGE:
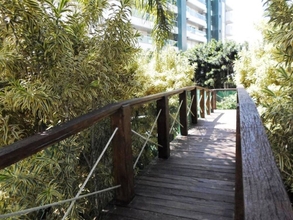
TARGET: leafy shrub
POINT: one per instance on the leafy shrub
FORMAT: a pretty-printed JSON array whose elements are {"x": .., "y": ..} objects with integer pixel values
[
  {"x": 266, "y": 72},
  {"x": 226, "y": 100},
  {"x": 163, "y": 71},
  {"x": 52, "y": 70},
  {"x": 214, "y": 62},
  {"x": 159, "y": 72}
]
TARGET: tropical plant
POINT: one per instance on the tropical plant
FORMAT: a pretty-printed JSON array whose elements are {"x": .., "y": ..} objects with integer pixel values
[
  {"x": 163, "y": 18},
  {"x": 158, "y": 72},
  {"x": 56, "y": 63},
  {"x": 59, "y": 60},
  {"x": 214, "y": 63},
  {"x": 226, "y": 100},
  {"x": 266, "y": 71},
  {"x": 165, "y": 71},
  {"x": 256, "y": 69}
]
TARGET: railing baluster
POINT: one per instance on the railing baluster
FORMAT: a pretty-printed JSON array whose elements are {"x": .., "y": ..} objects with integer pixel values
[
  {"x": 208, "y": 102},
  {"x": 194, "y": 105},
  {"x": 202, "y": 103},
  {"x": 214, "y": 100},
  {"x": 122, "y": 155},
  {"x": 183, "y": 114},
  {"x": 163, "y": 127}
]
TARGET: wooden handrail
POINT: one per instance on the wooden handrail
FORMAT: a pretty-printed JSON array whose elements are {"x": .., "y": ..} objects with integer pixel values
[
  {"x": 29, "y": 146},
  {"x": 119, "y": 113},
  {"x": 260, "y": 192}
]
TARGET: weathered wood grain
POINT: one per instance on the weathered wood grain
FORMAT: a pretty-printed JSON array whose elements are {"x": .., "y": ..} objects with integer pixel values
[
  {"x": 193, "y": 110},
  {"x": 264, "y": 195},
  {"x": 208, "y": 102},
  {"x": 122, "y": 154},
  {"x": 196, "y": 182},
  {"x": 183, "y": 113},
  {"x": 202, "y": 103},
  {"x": 163, "y": 127}
]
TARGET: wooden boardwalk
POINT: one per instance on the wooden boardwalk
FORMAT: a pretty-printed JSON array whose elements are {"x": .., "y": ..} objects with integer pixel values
[{"x": 196, "y": 182}]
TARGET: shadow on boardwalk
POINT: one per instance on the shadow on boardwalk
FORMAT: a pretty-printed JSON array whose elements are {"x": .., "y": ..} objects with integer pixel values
[{"x": 196, "y": 182}]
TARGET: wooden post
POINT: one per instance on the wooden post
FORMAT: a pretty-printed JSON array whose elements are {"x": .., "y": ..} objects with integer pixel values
[
  {"x": 202, "y": 103},
  {"x": 211, "y": 101},
  {"x": 163, "y": 128},
  {"x": 193, "y": 107},
  {"x": 208, "y": 102},
  {"x": 122, "y": 155},
  {"x": 239, "y": 202},
  {"x": 183, "y": 114},
  {"x": 214, "y": 100}
]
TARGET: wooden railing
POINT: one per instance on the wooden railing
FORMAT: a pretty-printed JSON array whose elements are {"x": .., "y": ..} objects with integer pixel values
[
  {"x": 260, "y": 192},
  {"x": 120, "y": 114}
]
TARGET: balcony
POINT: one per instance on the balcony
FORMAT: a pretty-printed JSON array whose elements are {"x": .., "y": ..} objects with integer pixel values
[
  {"x": 195, "y": 17},
  {"x": 229, "y": 17},
  {"x": 229, "y": 30},
  {"x": 142, "y": 21},
  {"x": 171, "y": 43},
  {"x": 145, "y": 42},
  {"x": 199, "y": 4},
  {"x": 228, "y": 6},
  {"x": 196, "y": 35}
]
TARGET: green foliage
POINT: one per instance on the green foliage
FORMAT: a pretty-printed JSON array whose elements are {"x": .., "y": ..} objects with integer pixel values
[
  {"x": 256, "y": 69},
  {"x": 278, "y": 119},
  {"x": 162, "y": 19},
  {"x": 59, "y": 60},
  {"x": 52, "y": 70},
  {"x": 266, "y": 71},
  {"x": 41, "y": 57},
  {"x": 281, "y": 33},
  {"x": 161, "y": 72},
  {"x": 158, "y": 72},
  {"x": 226, "y": 100},
  {"x": 214, "y": 63}
]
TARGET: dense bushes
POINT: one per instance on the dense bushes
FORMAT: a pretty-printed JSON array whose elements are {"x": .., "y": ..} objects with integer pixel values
[
  {"x": 266, "y": 71},
  {"x": 214, "y": 61},
  {"x": 163, "y": 72},
  {"x": 53, "y": 70},
  {"x": 49, "y": 77}
]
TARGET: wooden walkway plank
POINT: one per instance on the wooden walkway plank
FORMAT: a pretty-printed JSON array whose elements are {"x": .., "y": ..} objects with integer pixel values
[{"x": 196, "y": 182}]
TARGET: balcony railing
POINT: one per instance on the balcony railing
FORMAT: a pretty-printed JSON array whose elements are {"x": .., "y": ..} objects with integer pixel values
[
  {"x": 200, "y": 4},
  {"x": 196, "y": 14},
  {"x": 196, "y": 31}
]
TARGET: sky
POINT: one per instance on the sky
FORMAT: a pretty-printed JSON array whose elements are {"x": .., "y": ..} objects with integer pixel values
[{"x": 246, "y": 14}]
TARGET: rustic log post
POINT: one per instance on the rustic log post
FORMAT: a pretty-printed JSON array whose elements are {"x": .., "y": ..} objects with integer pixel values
[
  {"x": 208, "y": 102},
  {"x": 183, "y": 114},
  {"x": 163, "y": 128},
  {"x": 193, "y": 106},
  {"x": 202, "y": 103},
  {"x": 122, "y": 155},
  {"x": 214, "y": 100},
  {"x": 239, "y": 204}
]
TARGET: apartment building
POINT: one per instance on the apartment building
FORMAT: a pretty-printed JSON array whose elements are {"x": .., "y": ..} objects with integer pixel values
[{"x": 195, "y": 21}]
